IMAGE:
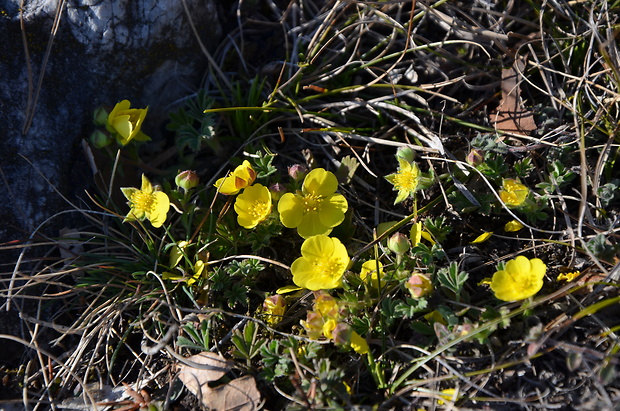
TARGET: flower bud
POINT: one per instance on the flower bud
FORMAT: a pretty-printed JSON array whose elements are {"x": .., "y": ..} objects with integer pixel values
[
  {"x": 277, "y": 190},
  {"x": 399, "y": 243},
  {"x": 419, "y": 285},
  {"x": 475, "y": 157},
  {"x": 406, "y": 153},
  {"x": 100, "y": 116},
  {"x": 313, "y": 324},
  {"x": 100, "y": 139},
  {"x": 187, "y": 179},
  {"x": 341, "y": 334},
  {"x": 297, "y": 172}
]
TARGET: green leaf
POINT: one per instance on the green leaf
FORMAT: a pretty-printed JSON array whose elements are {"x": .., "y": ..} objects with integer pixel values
[
  {"x": 347, "y": 168},
  {"x": 452, "y": 279}
]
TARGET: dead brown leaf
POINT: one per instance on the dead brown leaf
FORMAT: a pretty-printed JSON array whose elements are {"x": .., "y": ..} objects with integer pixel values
[
  {"x": 211, "y": 367},
  {"x": 240, "y": 394},
  {"x": 511, "y": 115}
]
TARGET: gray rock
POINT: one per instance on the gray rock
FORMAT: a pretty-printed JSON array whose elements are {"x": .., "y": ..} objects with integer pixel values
[{"x": 103, "y": 52}]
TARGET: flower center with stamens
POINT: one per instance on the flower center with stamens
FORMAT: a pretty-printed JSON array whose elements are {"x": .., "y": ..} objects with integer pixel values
[
  {"x": 259, "y": 209},
  {"x": 312, "y": 203},
  {"x": 330, "y": 267},
  {"x": 143, "y": 201},
  {"x": 407, "y": 180}
]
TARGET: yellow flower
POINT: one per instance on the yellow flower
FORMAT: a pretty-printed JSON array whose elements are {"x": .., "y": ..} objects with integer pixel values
[
  {"x": 513, "y": 193},
  {"x": 405, "y": 180},
  {"x": 317, "y": 208},
  {"x": 513, "y": 226},
  {"x": 242, "y": 177},
  {"x": 274, "y": 308},
  {"x": 322, "y": 264},
  {"x": 371, "y": 271},
  {"x": 253, "y": 206},
  {"x": 520, "y": 279},
  {"x": 125, "y": 122},
  {"x": 147, "y": 202}
]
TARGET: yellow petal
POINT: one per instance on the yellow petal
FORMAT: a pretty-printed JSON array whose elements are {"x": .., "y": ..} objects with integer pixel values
[
  {"x": 416, "y": 233},
  {"x": 311, "y": 225},
  {"x": 123, "y": 126},
  {"x": 332, "y": 209},
  {"x": 288, "y": 289},
  {"x": 319, "y": 247},
  {"x": 147, "y": 187},
  {"x": 513, "y": 226},
  {"x": 427, "y": 236},
  {"x": 320, "y": 182},
  {"x": 328, "y": 327},
  {"x": 485, "y": 281},
  {"x": 246, "y": 173},
  {"x": 448, "y": 394},
  {"x": 226, "y": 185},
  {"x": 161, "y": 205},
  {"x": 291, "y": 210},
  {"x": 177, "y": 252},
  {"x": 482, "y": 238},
  {"x": 373, "y": 268},
  {"x": 128, "y": 192},
  {"x": 359, "y": 344},
  {"x": 568, "y": 277}
]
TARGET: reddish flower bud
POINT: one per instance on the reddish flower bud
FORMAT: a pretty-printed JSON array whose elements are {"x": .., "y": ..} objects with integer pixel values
[
  {"x": 419, "y": 285},
  {"x": 297, "y": 172},
  {"x": 187, "y": 179}
]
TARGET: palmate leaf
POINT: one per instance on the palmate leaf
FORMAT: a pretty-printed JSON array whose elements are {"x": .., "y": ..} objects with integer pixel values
[
  {"x": 192, "y": 138},
  {"x": 452, "y": 279}
]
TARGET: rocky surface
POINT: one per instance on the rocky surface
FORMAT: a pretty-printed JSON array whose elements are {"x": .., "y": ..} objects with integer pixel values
[{"x": 103, "y": 52}]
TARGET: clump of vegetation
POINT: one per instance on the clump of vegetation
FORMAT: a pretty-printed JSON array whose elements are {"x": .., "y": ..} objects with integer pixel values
[{"x": 394, "y": 223}]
